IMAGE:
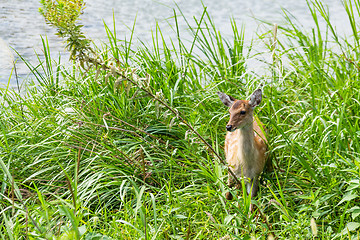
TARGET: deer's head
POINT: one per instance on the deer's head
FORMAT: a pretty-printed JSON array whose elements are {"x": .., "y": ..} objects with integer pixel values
[{"x": 241, "y": 111}]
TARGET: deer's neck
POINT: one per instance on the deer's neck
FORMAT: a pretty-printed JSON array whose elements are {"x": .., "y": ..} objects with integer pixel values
[
  {"x": 240, "y": 147},
  {"x": 246, "y": 142}
]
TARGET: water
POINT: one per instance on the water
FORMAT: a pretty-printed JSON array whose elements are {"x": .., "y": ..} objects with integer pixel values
[{"x": 21, "y": 25}]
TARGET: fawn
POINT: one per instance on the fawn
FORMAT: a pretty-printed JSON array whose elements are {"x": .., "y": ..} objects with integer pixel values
[{"x": 245, "y": 142}]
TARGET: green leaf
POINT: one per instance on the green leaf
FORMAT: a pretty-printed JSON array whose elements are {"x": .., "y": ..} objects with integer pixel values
[
  {"x": 82, "y": 229},
  {"x": 350, "y": 226},
  {"x": 348, "y": 197},
  {"x": 228, "y": 219},
  {"x": 355, "y": 211},
  {"x": 353, "y": 184},
  {"x": 96, "y": 236},
  {"x": 180, "y": 216}
]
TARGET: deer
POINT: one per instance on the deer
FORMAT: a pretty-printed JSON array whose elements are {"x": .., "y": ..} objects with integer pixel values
[{"x": 245, "y": 142}]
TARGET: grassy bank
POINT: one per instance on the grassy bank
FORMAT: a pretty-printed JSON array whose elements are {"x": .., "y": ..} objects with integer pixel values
[{"x": 86, "y": 154}]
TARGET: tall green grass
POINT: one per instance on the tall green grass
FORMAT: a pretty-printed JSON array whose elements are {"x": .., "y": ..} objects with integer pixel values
[{"x": 85, "y": 155}]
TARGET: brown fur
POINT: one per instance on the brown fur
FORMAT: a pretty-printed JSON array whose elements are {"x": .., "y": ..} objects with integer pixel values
[{"x": 246, "y": 146}]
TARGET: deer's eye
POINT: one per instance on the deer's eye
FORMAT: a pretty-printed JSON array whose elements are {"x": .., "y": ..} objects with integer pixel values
[{"x": 242, "y": 112}]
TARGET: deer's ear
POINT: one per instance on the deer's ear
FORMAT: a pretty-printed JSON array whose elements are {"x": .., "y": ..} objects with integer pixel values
[
  {"x": 226, "y": 99},
  {"x": 255, "y": 98}
]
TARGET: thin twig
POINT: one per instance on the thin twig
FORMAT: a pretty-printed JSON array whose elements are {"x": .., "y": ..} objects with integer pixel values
[
  {"x": 78, "y": 166},
  {"x": 32, "y": 220},
  {"x": 266, "y": 221},
  {"x": 71, "y": 192}
]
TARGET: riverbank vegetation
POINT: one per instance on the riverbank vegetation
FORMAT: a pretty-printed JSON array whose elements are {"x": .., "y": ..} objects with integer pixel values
[{"x": 128, "y": 142}]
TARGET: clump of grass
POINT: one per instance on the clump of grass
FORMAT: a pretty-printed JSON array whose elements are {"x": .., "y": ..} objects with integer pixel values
[{"x": 128, "y": 143}]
